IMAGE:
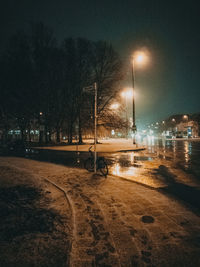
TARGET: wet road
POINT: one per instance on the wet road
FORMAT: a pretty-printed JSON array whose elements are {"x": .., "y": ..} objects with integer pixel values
[
  {"x": 172, "y": 167},
  {"x": 184, "y": 155}
]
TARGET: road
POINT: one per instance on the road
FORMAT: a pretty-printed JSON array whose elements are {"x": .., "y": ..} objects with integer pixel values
[
  {"x": 182, "y": 154},
  {"x": 170, "y": 166}
]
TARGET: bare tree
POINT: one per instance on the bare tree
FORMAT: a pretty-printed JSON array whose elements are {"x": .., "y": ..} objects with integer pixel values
[
  {"x": 107, "y": 72},
  {"x": 17, "y": 85}
]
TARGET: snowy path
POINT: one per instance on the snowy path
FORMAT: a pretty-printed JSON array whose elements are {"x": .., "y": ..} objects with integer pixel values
[{"x": 120, "y": 223}]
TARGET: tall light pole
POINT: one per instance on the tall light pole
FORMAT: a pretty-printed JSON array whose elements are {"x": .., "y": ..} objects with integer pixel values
[
  {"x": 93, "y": 89},
  {"x": 95, "y": 126},
  {"x": 138, "y": 57},
  {"x": 134, "y": 129}
]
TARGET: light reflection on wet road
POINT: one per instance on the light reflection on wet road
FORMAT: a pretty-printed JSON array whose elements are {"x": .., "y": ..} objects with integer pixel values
[
  {"x": 183, "y": 155},
  {"x": 140, "y": 166}
]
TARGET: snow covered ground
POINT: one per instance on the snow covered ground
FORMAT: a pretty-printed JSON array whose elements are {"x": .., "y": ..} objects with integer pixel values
[{"x": 106, "y": 222}]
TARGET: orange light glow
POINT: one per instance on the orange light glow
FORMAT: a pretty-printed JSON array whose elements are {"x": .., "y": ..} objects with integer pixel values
[
  {"x": 127, "y": 93},
  {"x": 114, "y": 106},
  {"x": 185, "y": 117},
  {"x": 140, "y": 58}
]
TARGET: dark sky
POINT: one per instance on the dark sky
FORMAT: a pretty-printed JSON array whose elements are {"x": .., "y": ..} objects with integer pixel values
[{"x": 169, "y": 84}]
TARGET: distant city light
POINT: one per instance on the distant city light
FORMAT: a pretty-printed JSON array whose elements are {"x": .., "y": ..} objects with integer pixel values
[{"x": 185, "y": 117}]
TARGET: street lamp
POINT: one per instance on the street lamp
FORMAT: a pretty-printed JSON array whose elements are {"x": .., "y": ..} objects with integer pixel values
[
  {"x": 114, "y": 106},
  {"x": 139, "y": 58}
]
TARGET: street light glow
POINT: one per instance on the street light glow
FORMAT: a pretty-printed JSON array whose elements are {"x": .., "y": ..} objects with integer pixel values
[
  {"x": 114, "y": 106},
  {"x": 140, "y": 57},
  {"x": 127, "y": 93},
  {"x": 185, "y": 117}
]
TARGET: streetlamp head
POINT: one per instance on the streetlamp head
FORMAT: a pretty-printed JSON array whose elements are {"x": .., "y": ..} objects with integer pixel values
[
  {"x": 114, "y": 106},
  {"x": 128, "y": 93},
  {"x": 140, "y": 57}
]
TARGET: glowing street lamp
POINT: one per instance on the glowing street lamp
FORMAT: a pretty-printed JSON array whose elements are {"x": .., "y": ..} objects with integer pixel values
[
  {"x": 114, "y": 106},
  {"x": 127, "y": 94}
]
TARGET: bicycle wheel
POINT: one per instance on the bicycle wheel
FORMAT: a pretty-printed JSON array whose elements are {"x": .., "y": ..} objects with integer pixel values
[
  {"x": 102, "y": 166},
  {"x": 89, "y": 164}
]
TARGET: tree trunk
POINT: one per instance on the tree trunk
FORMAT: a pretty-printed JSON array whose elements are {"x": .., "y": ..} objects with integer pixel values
[
  {"x": 5, "y": 135},
  {"x": 22, "y": 133},
  {"x": 58, "y": 135},
  {"x": 46, "y": 136},
  {"x": 41, "y": 134},
  {"x": 50, "y": 134},
  {"x": 70, "y": 129},
  {"x": 80, "y": 128},
  {"x": 29, "y": 134}
]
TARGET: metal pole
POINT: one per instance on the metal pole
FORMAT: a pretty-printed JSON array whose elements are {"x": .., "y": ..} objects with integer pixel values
[
  {"x": 133, "y": 83},
  {"x": 95, "y": 126},
  {"x": 126, "y": 117}
]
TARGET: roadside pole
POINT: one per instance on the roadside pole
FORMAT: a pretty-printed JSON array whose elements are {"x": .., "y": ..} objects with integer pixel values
[
  {"x": 77, "y": 152},
  {"x": 93, "y": 89},
  {"x": 95, "y": 127}
]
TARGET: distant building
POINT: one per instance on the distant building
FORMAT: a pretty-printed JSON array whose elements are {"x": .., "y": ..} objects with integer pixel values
[
  {"x": 182, "y": 129},
  {"x": 187, "y": 129}
]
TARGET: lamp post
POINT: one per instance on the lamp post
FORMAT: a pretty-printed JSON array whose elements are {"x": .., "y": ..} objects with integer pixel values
[
  {"x": 93, "y": 89},
  {"x": 134, "y": 129},
  {"x": 140, "y": 58}
]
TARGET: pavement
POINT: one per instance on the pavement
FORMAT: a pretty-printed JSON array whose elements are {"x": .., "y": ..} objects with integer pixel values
[
  {"x": 111, "y": 145},
  {"x": 115, "y": 222}
]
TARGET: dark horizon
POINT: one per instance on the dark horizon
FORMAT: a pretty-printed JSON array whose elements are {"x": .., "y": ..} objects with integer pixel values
[{"x": 169, "y": 83}]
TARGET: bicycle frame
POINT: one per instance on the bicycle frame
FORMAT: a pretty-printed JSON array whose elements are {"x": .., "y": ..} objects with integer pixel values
[{"x": 100, "y": 163}]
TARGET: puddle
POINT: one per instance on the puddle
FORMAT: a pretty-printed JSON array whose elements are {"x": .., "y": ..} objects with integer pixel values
[
  {"x": 147, "y": 219},
  {"x": 143, "y": 158}
]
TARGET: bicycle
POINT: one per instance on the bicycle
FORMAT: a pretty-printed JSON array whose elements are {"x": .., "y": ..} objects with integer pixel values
[{"x": 100, "y": 164}]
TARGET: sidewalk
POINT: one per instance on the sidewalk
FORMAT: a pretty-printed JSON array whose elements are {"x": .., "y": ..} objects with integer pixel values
[
  {"x": 113, "y": 222},
  {"x": 109, "y": 146}
]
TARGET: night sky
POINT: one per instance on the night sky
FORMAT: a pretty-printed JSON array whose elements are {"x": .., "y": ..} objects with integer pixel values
[{"x": 169, "y": 30}]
